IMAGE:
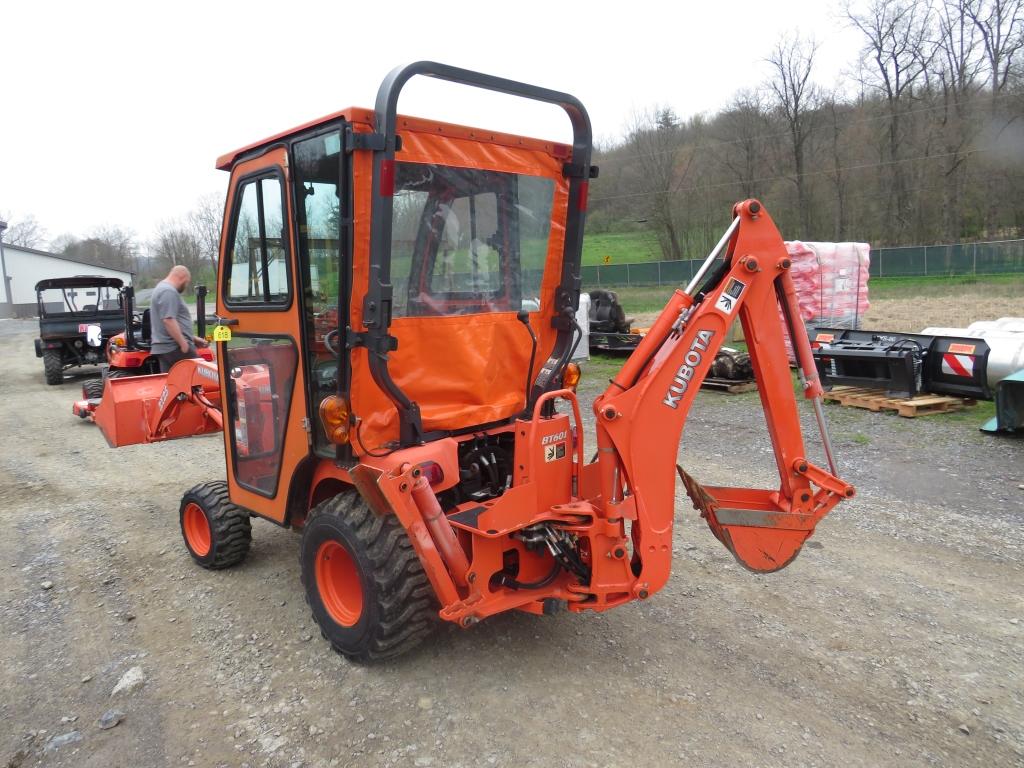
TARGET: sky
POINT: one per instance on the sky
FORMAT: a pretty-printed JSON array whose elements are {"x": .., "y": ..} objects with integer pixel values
[{"x": 112, "y": 114}]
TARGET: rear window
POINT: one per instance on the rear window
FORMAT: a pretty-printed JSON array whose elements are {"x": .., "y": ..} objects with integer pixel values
[
  {"x": 78, "y": 301},
  {"x": 466, "y": 241}
]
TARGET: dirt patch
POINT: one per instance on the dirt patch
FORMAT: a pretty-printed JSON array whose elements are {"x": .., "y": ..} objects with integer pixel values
[
  {"x": 896, "y": 639},
  {"x": 912, "y": 315}
]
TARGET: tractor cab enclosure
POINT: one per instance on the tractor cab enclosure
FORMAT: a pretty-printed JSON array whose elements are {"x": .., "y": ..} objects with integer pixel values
[{"x": 411, "y": 279}]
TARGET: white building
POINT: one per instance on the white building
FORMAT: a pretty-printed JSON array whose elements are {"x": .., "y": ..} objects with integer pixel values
[{"x": 24, "y": 267}]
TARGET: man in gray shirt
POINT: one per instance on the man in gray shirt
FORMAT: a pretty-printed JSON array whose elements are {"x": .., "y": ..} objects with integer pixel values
[{"x": 171, "y": 321}]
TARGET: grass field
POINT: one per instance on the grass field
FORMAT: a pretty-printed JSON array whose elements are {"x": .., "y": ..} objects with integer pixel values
[
  {"x": 621, "y": 248},
  {"x": 907, "y": 304}
]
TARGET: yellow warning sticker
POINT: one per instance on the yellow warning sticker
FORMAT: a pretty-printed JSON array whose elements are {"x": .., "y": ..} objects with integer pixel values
[
  {"x": 222, "y": 333},
  {"x": 962, "y": 349}
]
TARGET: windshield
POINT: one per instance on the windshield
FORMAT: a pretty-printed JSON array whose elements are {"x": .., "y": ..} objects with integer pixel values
[
  {"x": 78, "y": 301},
  {"x": 467, "y": 241}
]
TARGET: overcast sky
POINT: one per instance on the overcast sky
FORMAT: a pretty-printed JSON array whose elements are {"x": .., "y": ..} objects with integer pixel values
[{"x": 113, "y": 114}]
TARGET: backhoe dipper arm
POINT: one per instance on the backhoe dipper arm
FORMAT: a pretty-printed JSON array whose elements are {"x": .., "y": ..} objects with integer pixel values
[{"x": 641, "y": 416}]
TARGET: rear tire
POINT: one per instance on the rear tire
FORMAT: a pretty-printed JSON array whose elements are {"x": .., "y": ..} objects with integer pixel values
[
  {"x": 92, "y": 389},
  {"x": 117, "y": 373},
  {"x": 53, "y": 366},
  {"x": 217, "y": 533},
  {"x": 364, "y": 581}
]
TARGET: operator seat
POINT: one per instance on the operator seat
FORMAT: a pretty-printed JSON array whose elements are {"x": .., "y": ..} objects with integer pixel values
[{"x": 145, "y": 334}]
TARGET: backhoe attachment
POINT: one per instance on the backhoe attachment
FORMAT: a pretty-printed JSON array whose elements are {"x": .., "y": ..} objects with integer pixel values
[{"x": 642, "y": 414}]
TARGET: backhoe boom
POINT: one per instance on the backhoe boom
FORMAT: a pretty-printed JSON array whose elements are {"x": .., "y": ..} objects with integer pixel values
[{"x": 642, "y": 414}]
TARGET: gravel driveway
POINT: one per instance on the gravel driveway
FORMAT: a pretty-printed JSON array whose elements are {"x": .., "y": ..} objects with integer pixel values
[{"x": 896, "y": 638}]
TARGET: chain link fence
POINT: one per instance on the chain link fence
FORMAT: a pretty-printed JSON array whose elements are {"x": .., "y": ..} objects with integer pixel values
[{"x": 989, "y": 258}]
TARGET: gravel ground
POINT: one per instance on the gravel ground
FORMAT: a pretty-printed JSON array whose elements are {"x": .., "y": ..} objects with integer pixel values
[{"x": 894, "y": 639}]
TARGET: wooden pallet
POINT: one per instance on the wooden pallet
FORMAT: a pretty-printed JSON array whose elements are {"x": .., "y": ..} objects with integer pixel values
[
  {"x": 729, "y": 385},
  {"x": 879, "y": 399}
]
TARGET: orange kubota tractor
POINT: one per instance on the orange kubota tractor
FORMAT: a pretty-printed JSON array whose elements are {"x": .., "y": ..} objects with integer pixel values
[{"x": 395, "y": 322}]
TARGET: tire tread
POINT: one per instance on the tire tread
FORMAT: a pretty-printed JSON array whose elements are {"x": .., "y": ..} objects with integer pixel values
[
  {"x": 407, "y": 611},
  {"x": 230, "y": 526}
]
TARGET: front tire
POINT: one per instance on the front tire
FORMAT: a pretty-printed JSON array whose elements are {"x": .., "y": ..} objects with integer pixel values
[
  {"x": 217, "y": 533},
  {"x": 364, "y": 582},
  {"x": 53, "y": 366},
  {"x": 92, "y": 389}
]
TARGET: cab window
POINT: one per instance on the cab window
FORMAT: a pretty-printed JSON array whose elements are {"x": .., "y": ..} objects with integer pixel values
[
  {"x": 257, "y": 269},
  {"x": 467, "y": 241}
]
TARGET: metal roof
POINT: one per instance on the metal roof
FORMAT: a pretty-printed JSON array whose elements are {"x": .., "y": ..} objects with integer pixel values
[
  {"x": 79, "y": 281},
  {"x": 62, "y": 257}
]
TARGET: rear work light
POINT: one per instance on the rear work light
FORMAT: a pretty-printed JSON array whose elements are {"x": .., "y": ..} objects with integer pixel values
[{"x": 336, "y": 416}]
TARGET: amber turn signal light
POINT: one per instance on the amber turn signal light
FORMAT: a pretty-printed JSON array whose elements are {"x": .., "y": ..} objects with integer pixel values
[
  {"x": 336, "y": 416},
  {"x": 571, "y": 377}
]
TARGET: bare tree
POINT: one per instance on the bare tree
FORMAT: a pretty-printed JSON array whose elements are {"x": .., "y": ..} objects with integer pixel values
[
  {"x": 797, "y": 98},
  {"x": 63, "y": 243},
  {"x": 745, "y": 129},
  {"x": 24, "y": 231},
  {"x": 835, "y": 114},
  {"x": 205, "y": 222},
  {"x": 662, "y": 163},
  {"x": 957, "y": 65},
  {"x": 1001, "y": 26},
  {"x": 896, "y": 42},
  {"x": 108, "y": 245},
  {"x": 176, "y": 243}
]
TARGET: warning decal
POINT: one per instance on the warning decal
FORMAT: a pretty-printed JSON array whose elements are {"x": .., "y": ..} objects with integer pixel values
[
  {"x": 554, "y": 452},
  {"x": 730, "y": 296},
  {"x": 962, "y": 349},
  {"x": 958, "y": 365}
]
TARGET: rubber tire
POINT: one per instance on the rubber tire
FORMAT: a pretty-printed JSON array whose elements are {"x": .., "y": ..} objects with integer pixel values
[
  {"x": 117, "y": 373},
  {"x": 92, "y": 389},
  {"x": 230, "y": 526},
  {"x": 53, "y": 366},
  {"x": 399, "y": 608}
]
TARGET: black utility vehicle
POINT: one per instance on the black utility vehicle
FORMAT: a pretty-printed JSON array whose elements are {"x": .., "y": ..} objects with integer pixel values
[{"x": 77, "y": 316}]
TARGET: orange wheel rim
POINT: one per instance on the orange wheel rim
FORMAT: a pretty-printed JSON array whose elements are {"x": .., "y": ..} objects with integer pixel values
[
  {"x": 197, "y": 529},
  {"x": 337, "y": 581}
]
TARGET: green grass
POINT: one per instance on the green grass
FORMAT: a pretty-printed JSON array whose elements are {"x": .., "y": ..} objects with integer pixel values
[
  {"x": 650, "y": 298},
  {"x": 621, "y": 248},
  {"x": 909, "y": 287},
  {"x": 976, "y": 415},
  {"x": 635, "y": 298}
]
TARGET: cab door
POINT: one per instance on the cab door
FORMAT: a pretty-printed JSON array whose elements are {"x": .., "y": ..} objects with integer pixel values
[{"x": 262, "y": 379}]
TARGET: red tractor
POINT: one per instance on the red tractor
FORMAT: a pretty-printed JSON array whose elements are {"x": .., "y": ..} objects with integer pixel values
[
  {"x": 396, "y": 306},
  {"x": 128, "y": 352}
]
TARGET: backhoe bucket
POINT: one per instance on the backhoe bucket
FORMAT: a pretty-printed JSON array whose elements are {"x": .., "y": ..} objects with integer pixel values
[
  {"x": 749, "y": 522},
  {"x": 164, "y": 406},
  {"x": 762, "y": 540}
]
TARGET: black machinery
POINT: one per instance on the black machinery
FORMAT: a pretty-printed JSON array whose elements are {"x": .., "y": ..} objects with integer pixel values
[{"x": 904, "y": 364}]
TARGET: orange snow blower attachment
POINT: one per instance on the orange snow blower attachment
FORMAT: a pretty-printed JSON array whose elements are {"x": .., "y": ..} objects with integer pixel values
[{"x": 184, "y": 402}]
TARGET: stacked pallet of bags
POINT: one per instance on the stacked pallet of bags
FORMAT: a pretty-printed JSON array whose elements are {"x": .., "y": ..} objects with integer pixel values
[{"x": 831, "y": 282}]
